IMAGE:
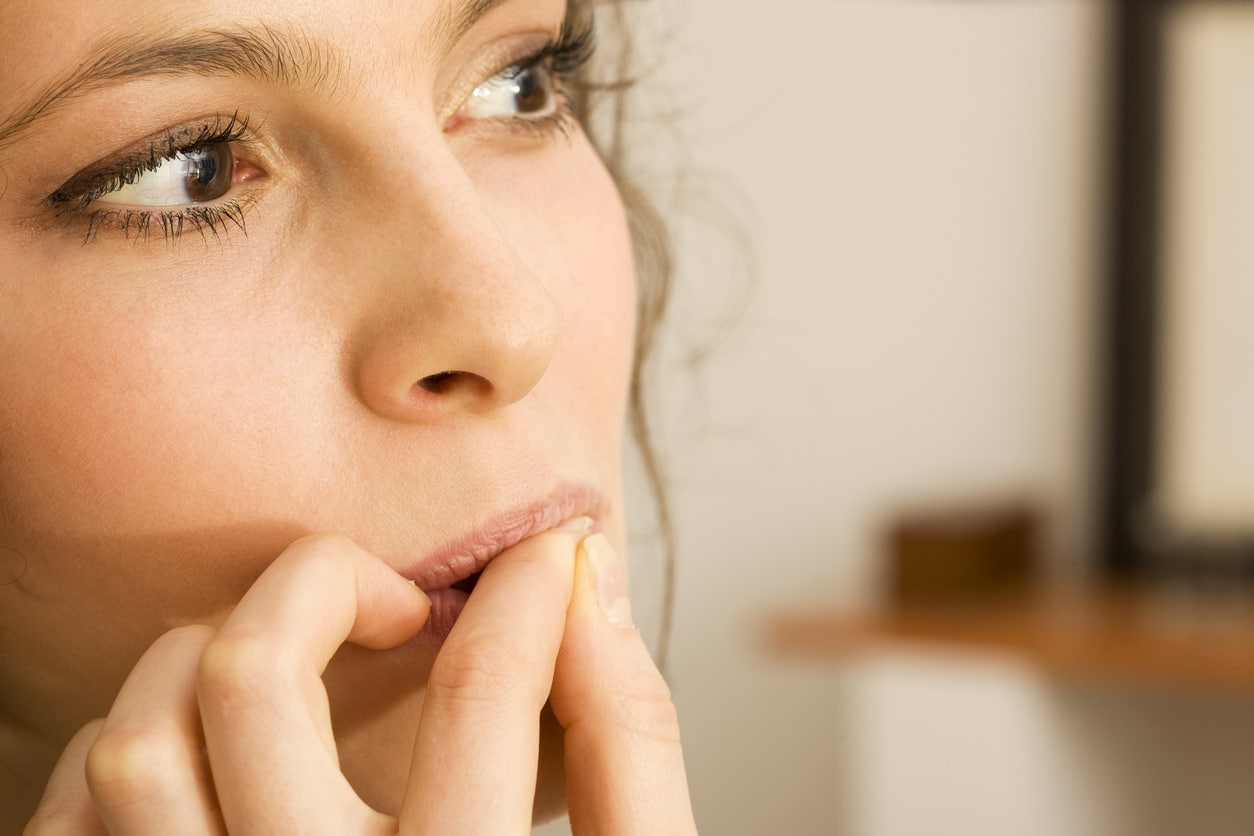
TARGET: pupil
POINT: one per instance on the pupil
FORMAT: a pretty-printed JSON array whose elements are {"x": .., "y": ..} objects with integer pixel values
[
  {"x": 208, "y": 173},
  {"x": 208, "y": 168}
]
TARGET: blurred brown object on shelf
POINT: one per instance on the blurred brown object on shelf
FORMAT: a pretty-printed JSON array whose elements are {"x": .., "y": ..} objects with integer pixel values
[{"x": 962, "y": 555}]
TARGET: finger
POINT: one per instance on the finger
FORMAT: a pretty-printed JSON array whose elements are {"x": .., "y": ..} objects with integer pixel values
[
  {"x": 147, "y": 770},
  {"x": 264, "y": 708},
  {"x": 624, "y": 767},
  {"x": 474, "y": 767},
  {"x": 66, "y": 808}
]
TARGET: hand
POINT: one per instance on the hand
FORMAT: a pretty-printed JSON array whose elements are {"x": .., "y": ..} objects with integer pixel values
[{"x": 251, "y": 696}]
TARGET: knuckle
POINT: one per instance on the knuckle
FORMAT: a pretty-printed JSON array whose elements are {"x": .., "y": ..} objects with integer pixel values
[
  {"x": 322, "y": 548},
  {"x": 238, "y": 670},
  {"x": 640, "y": 707},
  {"x": 329, "y": 557},
  {"x": 478, "y": 674},
  {"x": 53, "y": 820},
  {"x": 326, "y": 541},
  {"x": 188, "y": 634},
  {"x": 650, "y": 715},
  {"x": 129, "y": 763},
  {"x": 187, "y": 639}
]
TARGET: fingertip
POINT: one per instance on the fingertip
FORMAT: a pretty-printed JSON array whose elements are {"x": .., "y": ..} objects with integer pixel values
[
  {"x": 623, "y": 757},
  {"x": 380, "y": 610},
  {"x": 393, "y": 608},
  {"x": 420, "y": 604},
  {"x": 424, "y": 600},
  {"x": 601, "y": 647},
  {"x": 608, "y": 575}
]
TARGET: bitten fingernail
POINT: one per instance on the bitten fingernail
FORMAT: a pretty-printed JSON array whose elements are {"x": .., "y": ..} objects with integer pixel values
[
  {"x": 611, "y": 580},
  {"x": 577, "y": 524}
]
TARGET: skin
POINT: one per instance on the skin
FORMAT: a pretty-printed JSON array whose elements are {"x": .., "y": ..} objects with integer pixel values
[{"x": 218, "y": 468}]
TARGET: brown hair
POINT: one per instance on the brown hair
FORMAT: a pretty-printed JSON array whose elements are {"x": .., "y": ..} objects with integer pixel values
[{"x": 652, "y": 252}]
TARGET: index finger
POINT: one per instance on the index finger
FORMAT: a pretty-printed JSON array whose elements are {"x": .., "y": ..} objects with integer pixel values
[
  {"x": 66, "y": 808},
  {"x": 262, "y": 702},
  {"x": 474, "y": 767}
]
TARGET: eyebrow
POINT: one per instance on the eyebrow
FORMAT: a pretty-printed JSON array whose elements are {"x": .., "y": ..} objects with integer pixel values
[
  {"x": 455, "y": 20},
  {"x": 265, "y": 53}
]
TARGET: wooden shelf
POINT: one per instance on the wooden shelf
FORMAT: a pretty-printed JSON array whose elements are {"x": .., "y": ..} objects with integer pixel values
[{"x": 1159, "y": 637}]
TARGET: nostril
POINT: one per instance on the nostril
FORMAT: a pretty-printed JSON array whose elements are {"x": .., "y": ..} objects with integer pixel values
[
  {"x": 453, "y": 382},
  {"x": 438, "y": 384}
]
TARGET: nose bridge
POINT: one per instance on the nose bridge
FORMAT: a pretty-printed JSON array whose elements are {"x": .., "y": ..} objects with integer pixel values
[{"x": 461, "y": 323}]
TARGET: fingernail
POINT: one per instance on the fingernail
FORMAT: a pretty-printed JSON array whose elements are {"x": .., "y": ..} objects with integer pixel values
[
  {"x": 611, "y": 580},
  {"x": 579, "y": 524}
]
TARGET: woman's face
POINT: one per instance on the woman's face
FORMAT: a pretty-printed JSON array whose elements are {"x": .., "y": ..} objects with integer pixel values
[{"x": 383, "y": 289}]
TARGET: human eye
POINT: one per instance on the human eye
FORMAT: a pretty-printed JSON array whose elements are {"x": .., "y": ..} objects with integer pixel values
[
  {"x": 184, "y": 179},
  {"x": 532, "y": 92},
  {"x": 197, "y": 176},
  {"x": 527, "y": 91}
]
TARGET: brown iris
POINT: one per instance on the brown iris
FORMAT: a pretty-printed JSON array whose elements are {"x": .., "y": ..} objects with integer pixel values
[
  {"x": 531, "y": 90},
  {"x": 208, "y": 172}
]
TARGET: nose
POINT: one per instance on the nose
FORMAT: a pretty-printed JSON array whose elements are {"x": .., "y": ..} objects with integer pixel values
[{"x": 461, "y": 325}]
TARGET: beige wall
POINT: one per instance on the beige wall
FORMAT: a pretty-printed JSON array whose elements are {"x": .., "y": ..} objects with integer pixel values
[{"x": 921, "y": 186}]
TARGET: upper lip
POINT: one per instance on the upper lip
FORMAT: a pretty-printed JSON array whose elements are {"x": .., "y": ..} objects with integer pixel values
[{"x": 468, "y": 554}]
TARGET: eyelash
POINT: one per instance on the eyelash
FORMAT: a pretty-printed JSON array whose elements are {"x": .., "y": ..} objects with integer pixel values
[
  {"x": 74, "y": 200},
  {"x": 563, "y": 58}
]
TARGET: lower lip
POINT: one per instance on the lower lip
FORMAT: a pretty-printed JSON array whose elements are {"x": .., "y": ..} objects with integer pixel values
[{"x": 446, "y": 606}]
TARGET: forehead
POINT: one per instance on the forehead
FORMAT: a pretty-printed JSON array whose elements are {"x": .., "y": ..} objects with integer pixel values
[{"x": 43, "y": 42}]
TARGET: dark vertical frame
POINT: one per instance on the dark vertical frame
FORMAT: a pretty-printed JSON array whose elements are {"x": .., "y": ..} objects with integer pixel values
[
  {"x": 1129, "y": 388},
  {"x": 1128, "y": 541}
]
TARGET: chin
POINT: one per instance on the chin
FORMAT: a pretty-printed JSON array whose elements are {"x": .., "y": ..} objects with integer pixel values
[{"x": 375, "y": 729}]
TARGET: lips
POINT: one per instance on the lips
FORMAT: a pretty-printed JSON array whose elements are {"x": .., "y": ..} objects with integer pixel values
[{"x": 449, "y": 574}]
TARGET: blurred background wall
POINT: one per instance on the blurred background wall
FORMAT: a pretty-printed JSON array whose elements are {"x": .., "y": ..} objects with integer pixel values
[{"x": 890, "y": 222}]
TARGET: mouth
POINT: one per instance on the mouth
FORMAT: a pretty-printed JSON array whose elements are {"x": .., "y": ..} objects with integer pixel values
[
  {"x": 467, "y": 585},
  {"x": 449, "y": 574}
]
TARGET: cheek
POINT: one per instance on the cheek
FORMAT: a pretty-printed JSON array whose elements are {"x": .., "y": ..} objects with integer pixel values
[
  {"x": 105, "y": 486},
  {"x": 105, "y": 418},
  {"x": 114, "y": 474},
  {"x": 575, "y": 239}
]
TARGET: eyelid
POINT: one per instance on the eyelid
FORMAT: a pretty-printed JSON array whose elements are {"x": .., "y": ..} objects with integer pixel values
[
  {"x": 515, "y": 51},
  {"x": 561, "y": 58}
]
